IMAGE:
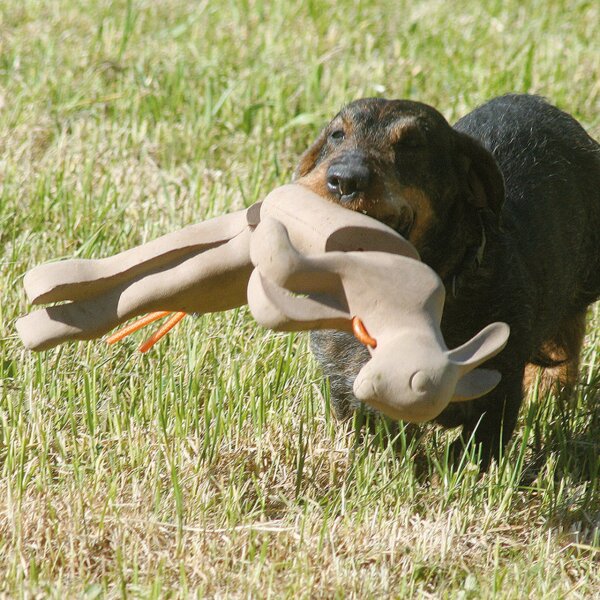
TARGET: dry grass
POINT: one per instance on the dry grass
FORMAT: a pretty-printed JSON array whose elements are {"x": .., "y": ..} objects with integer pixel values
[{"x": 212, "y": 467}]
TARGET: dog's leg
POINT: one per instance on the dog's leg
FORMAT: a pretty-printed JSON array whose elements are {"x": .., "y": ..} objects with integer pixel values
[
  {"x": 492, "y": 420},
  {"x": 566, "y": 346},
  {"x": 341, "y": 357}
]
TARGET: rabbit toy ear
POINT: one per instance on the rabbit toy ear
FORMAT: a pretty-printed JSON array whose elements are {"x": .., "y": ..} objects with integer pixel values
[
  {"x": 474, "y": 382},
  {"x": 487, "y": 343}
]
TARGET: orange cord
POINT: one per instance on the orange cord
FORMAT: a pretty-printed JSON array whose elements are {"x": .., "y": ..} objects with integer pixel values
[
  {"x": 136, "y": 326},
  {"x": 162, "y": 331},
  {"x": 358, "y": 328},
  {"x": 361, "y": 334}
]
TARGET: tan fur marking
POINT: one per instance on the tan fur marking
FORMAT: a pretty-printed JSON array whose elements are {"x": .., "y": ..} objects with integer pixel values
[
  {"x": 423, "y": 211},
  {"x": 402, "y": 128},
  {"x": 316, "y": 180},
  {"x": 565, "y": 345}
]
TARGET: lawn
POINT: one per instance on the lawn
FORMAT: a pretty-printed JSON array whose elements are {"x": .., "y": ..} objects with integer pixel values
[{"x": 211, "y": 466}]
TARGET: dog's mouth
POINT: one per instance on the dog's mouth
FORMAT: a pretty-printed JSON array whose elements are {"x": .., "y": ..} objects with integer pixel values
[{"x": 388, "y": 209}]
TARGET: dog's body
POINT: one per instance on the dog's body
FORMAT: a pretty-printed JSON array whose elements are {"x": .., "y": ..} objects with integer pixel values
[{"x": 505, "y": 207}]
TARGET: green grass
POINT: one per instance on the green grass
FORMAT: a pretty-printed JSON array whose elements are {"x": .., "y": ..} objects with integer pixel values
[{"x": 212, "y": 467}]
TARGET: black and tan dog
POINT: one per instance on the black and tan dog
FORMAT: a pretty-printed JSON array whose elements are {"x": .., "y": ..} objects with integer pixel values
[{"x": 505, "y": 206}]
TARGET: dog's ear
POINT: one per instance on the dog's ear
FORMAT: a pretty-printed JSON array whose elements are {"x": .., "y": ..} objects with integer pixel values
[
  {"x": 483, "y": 176},
  {"x": 309, "y": 159}
]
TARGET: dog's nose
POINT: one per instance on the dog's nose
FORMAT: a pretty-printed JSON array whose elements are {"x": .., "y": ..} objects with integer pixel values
[{"x": 347, "y": 178}]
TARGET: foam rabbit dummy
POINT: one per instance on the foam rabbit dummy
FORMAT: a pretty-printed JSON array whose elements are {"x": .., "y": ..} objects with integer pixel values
[
  {"x": 411, "y": 375},
  {"x": 355, "y": 274}
]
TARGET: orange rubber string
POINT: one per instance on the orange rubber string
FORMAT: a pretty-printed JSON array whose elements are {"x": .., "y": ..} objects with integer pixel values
[
  {"x": 136, "y": 326},
  {"x": 361, "y": 333},
  {"x": 161, "y": 331}
]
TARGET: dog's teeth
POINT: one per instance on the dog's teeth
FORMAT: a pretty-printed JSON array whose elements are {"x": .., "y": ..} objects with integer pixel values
[{"x": 364, "y": 212}]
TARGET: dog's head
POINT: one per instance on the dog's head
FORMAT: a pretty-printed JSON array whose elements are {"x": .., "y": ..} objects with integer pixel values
[{"x": 403, "y": 164}]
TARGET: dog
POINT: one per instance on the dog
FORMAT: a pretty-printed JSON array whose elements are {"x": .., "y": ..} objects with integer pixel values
[{"x": 504, "y": 206}]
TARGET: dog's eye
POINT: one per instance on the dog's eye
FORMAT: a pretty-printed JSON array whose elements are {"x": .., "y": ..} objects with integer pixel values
[{"x": 337, "y": 136}]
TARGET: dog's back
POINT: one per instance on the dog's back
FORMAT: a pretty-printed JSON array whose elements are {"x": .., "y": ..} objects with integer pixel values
[{"x": 551, "y": 168}]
